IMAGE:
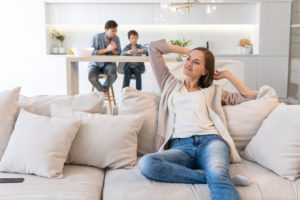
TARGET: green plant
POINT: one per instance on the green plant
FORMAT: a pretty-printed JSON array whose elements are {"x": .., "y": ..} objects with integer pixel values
[
  {"x": 57, "y": 35},
  {"x": 182, "y": 43}
]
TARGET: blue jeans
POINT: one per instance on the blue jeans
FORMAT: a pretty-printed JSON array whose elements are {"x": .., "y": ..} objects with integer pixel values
[
  {"x": 176, "y": 165},
  {"x": 128, "y": 71},
  {"x": 109, "y": 69}
]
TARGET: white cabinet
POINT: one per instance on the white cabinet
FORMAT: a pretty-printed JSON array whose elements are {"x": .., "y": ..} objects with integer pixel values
[
  {"x": 144, "y": 14},
  {"x": 230, "y": 14},
  {"x": 73, "y": 14},
  {"x": 160, "y": 16},
  {"x": 132, "y": 14},
  {"x": 274, "y": 29},
  {"x": 209, "y": 14},
  {"x": 273, "y": 71},
  {"x": 165, "y": 16}
]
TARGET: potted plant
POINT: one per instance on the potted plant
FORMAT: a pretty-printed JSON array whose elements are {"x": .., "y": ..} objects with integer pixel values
[
  {"x": 181, "y": 43},
  {"x": 60, "y": 37}
]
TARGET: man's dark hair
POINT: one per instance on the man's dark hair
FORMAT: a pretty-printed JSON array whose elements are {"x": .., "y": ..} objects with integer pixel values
[
  {"x": 132, "y": 32},
  {"x": 111, "y": 24}
]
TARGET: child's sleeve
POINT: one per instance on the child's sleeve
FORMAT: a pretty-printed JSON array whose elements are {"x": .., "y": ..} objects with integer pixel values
[
  {"x": 124, "y": 52},
  {"x": 145, "y": 49}
]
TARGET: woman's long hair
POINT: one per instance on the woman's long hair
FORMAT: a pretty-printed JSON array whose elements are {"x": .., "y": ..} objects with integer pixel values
[{"x": 206, "y": 80}]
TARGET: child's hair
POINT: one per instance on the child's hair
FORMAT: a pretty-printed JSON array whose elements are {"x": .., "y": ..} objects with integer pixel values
[{"x": 132, "y": 32}]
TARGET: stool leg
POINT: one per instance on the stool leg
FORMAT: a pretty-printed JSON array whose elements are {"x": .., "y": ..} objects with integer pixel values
[
  {"x": 113, "y": 94},
  {"x": 123, "y": 82},
  {"x": 109, "y": 102}
]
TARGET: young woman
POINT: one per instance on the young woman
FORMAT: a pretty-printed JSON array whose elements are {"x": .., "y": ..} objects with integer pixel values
[{"x": 191, "y": 124}]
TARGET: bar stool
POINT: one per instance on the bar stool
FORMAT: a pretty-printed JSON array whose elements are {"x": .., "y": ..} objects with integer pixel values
[
  {"x": 132, "y": 77},
  {"x": 109, "y": 95}
]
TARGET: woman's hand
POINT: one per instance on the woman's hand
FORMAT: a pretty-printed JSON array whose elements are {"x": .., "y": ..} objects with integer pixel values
[
  {"x": 221, "y": 74},
  {"x": 239, "y": 85}
]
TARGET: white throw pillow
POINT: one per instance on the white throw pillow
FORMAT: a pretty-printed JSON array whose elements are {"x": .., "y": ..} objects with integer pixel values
[
  {"x": 9, "y": 109},
  {"x": 39, "y": 145},
  {"x": 244, "y": 120},
  {"x": 103, "y": 140},
  {"x": 91, "y": 102},
  {"x": 276, "y": 145},
  {"x": 136, "y": 102}
]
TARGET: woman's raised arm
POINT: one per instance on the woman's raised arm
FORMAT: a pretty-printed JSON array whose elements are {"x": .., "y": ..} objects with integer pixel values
[
  {"x": 160, "y": 69},
  {"x": 245, "y": 94}
]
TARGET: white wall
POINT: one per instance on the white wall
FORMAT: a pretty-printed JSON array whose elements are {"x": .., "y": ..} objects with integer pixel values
[{"x": 22, "y": 47}]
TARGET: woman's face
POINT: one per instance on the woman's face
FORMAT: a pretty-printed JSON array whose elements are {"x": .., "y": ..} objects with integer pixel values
[{"x": 194, "y": 66}]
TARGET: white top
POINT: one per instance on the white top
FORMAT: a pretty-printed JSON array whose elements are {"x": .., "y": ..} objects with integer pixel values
[{"x": 191, "y": 114}]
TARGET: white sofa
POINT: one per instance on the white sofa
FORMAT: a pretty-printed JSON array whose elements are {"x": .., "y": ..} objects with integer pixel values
[{"x": 90, "y": 183}]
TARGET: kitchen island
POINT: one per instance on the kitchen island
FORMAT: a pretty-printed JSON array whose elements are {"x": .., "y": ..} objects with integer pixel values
[{"x": 72, "y": 67}]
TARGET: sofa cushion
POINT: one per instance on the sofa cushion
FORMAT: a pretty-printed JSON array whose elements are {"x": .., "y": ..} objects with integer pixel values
[
  {"x": 131, "y": 185},
  {"x": 91, "y": 102},
  {"x": 136, "y": 102},
  {"x": 8, "y": 114},
  {"x": 244, "y": 120},
  {"x": 79, "y": 183},
  {"x": 39, "y": 145},
  {"x": 276, "y": 144},
  {"x": 103, "y": 140}
]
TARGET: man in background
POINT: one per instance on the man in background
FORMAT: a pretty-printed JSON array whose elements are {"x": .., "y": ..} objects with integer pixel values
[{"x": 106, "y": 43}]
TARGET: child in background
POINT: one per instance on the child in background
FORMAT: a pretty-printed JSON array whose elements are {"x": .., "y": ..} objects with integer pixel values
[{"x": 133, "y": 68}]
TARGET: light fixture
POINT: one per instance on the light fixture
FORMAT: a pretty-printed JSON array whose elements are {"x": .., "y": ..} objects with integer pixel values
[
  {"x": 210, "y": 8},
  {"x": 178, "y": 5}
]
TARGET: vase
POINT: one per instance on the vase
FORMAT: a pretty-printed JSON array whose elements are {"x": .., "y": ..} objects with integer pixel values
[
  {"x": 179, "y": 58},
  {"x": 55, "y": 50},
  {"x": 61, "y": 48}
]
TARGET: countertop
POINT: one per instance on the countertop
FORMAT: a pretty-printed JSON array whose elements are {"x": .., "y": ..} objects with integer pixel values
[{"x": 216, "y": 55}]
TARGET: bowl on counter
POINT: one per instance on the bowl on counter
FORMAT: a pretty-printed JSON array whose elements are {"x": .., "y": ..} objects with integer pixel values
[{"x": 83, "y": 52}]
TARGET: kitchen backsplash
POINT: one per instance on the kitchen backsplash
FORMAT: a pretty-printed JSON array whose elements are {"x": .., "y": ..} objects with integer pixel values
[{"x": 222, "y": 39}]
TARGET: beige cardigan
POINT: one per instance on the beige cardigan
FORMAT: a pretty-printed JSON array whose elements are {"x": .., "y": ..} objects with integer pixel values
[{"x": 214, "y": 97}]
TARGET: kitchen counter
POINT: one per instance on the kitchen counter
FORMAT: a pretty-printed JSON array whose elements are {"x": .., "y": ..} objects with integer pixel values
[
  {"x": 72, "y": 66},
  {"x": 71, "y": 58},
  {"x": 216, "y": 55}
]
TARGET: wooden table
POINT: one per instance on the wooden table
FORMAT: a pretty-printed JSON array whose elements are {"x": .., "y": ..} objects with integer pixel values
[{"x": 72, "y": 67}]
